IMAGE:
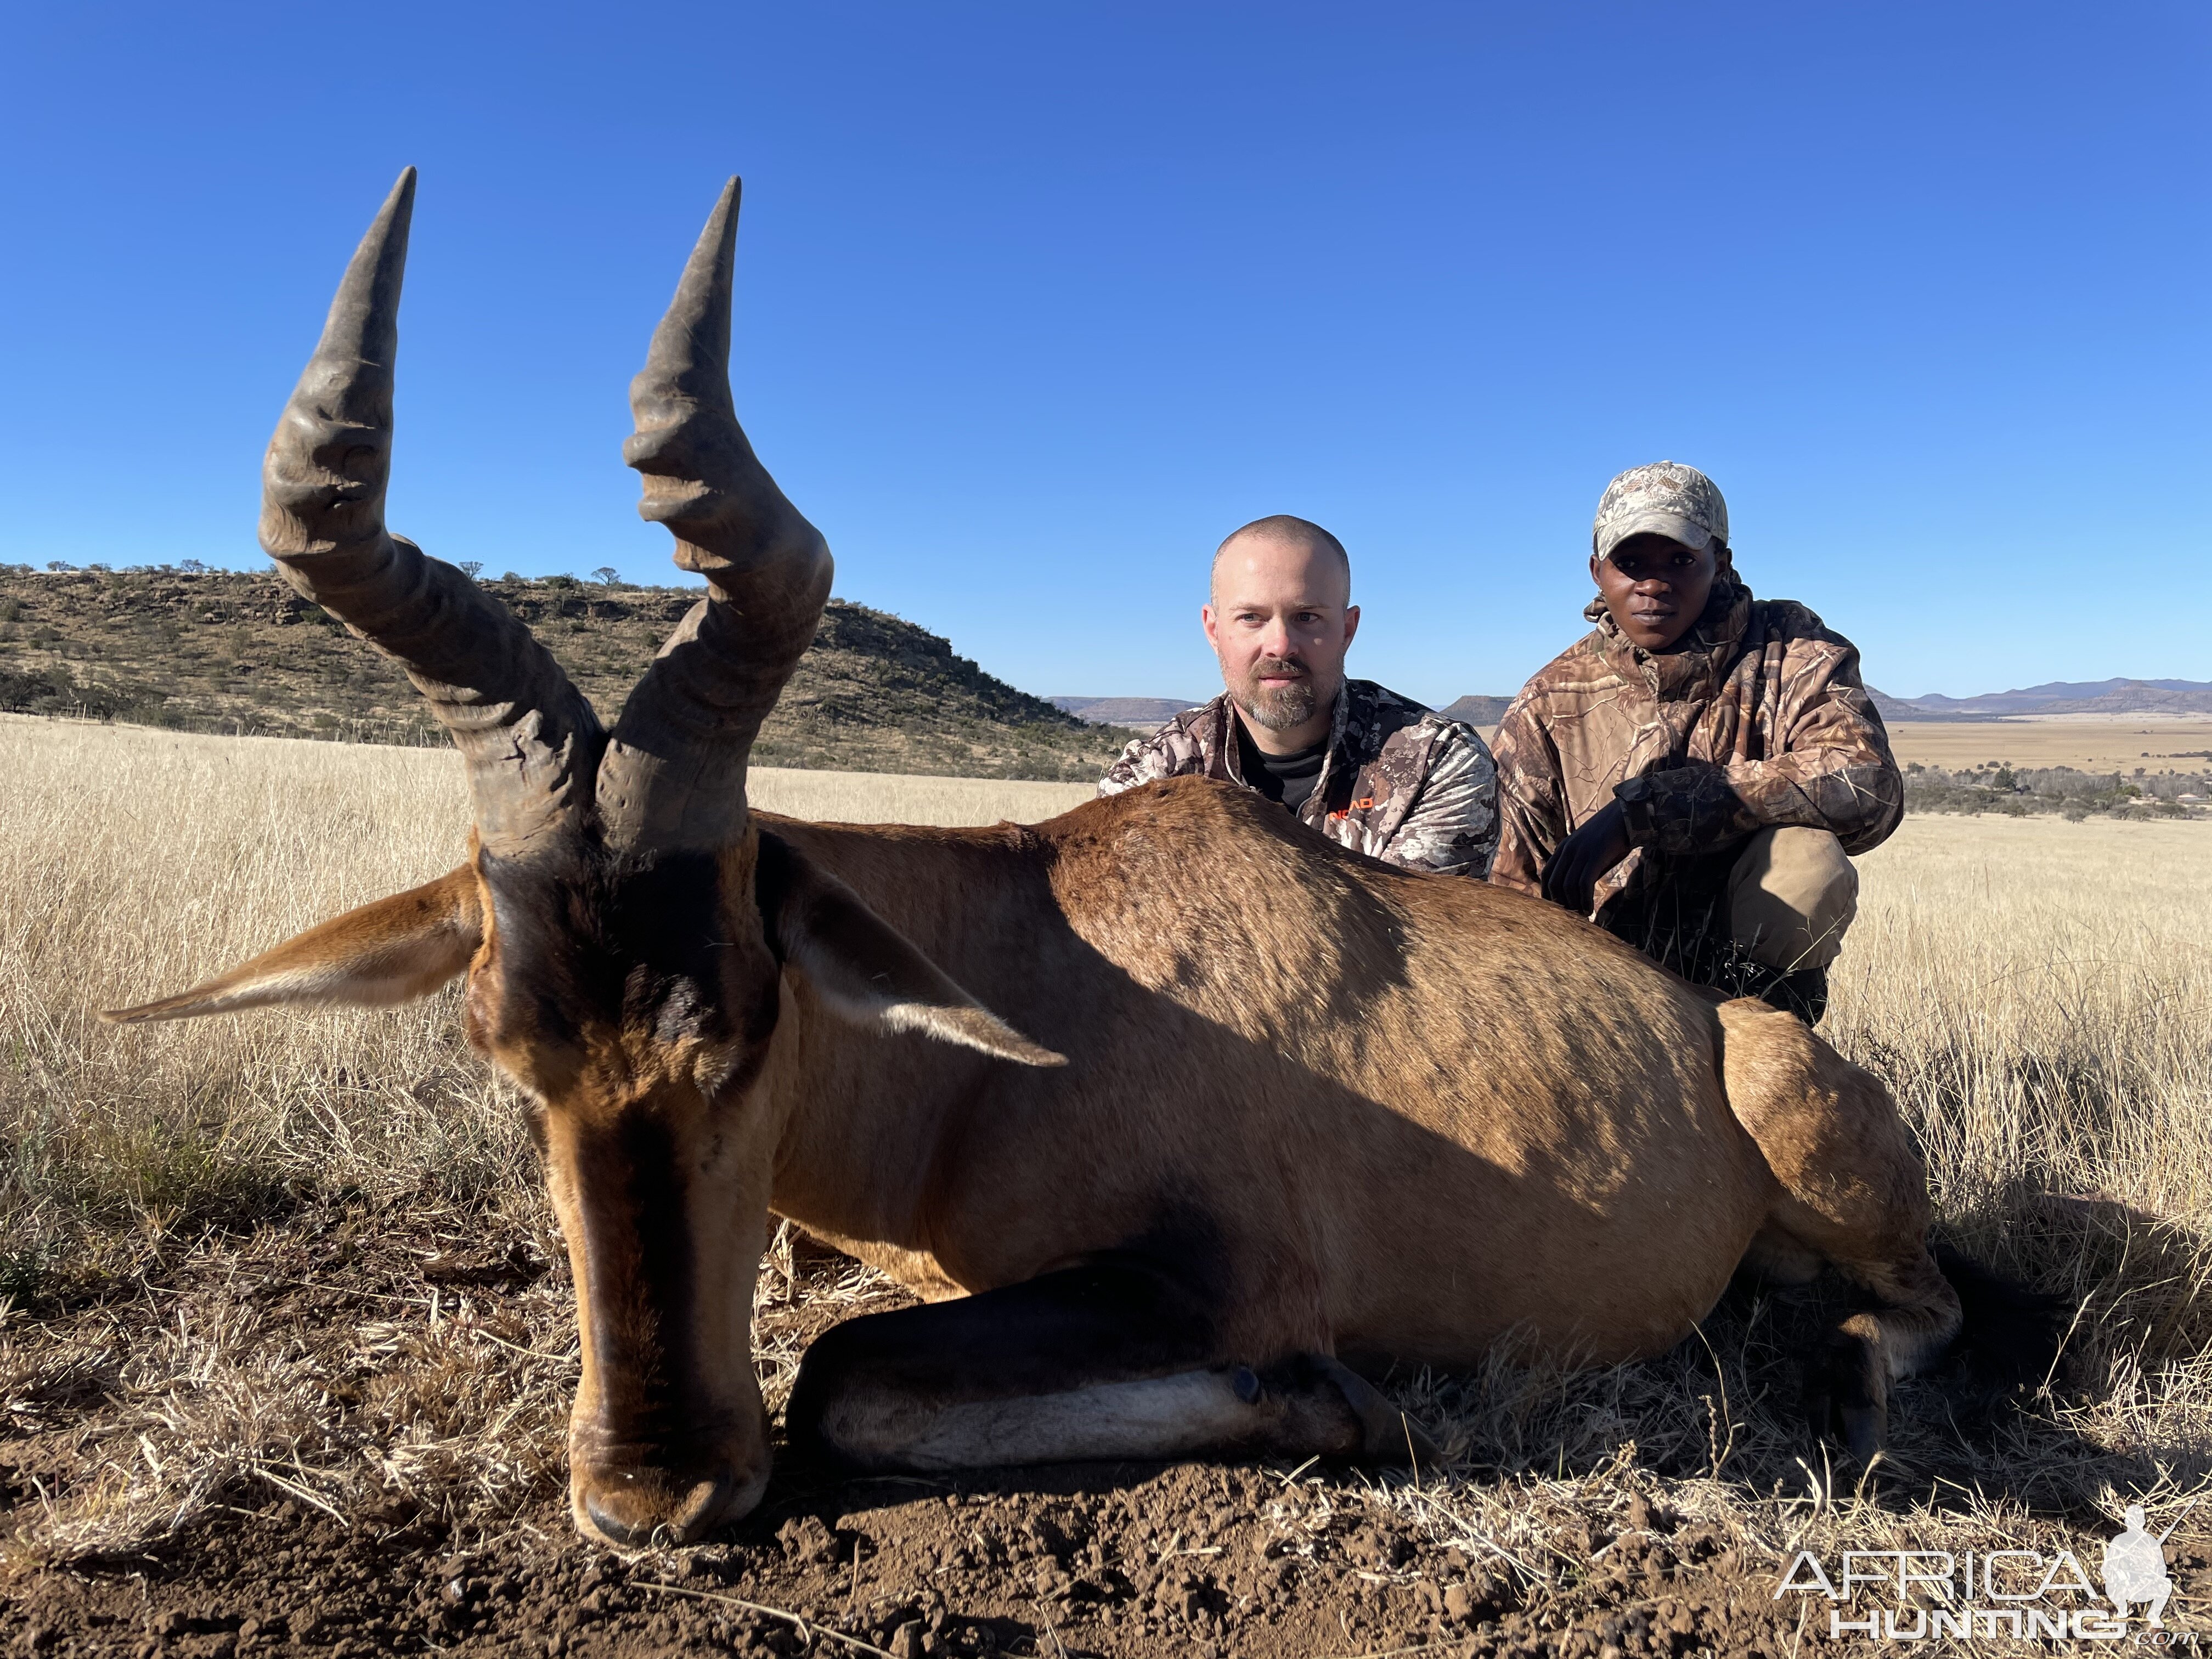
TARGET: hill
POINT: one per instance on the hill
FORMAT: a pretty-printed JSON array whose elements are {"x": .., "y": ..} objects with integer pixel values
[
  {"x": 2112, "y": 697},
  {"x": 1147, "y": 713},
  {"x": 1475, "y": 710},
  {"x": 227, "y": 651},
  {"x": 1140, "y": 713}
]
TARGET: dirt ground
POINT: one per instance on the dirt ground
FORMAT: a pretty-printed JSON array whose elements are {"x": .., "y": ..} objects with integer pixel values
[
  {"x": 1137, "y": 1559},
  {"x": 1074, "y": 1561},
  {"x": 1077, "y": 1560}
]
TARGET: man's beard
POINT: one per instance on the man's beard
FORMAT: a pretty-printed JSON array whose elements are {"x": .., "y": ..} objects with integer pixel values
[{"x": 1278, "y": 708}]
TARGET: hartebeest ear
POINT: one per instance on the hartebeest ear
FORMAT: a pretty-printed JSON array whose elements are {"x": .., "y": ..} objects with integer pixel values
[
  {"x": 393, "y": 951},
  {"x": 865, "y": 969}
]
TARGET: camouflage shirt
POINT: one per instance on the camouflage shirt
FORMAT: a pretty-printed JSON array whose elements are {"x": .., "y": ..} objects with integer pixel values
[
  {"x": 1398, "y": 782},
  {"x": 1758, "y": 719}
]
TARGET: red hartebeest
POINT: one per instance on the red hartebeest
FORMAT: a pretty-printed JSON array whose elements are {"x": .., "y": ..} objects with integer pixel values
[{"x": 1270, "y": 1106}]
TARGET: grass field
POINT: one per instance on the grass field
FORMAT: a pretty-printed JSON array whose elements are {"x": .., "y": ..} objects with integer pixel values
[
  {"x": 2085, "y": 745},
  {"x": 2039, "y": 995},
  {"x": 2088, "y": 745}
]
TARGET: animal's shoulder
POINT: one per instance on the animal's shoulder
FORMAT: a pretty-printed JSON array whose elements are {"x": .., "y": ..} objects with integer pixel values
[
  {"x": 1200, "y": 814},
  {"x": 1191, "y": 847}
]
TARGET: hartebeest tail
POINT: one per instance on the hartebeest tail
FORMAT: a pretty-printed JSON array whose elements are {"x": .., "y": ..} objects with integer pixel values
[{"x": 1273, "y": 1110}]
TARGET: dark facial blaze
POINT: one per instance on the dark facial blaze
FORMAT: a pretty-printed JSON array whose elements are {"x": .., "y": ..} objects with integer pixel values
[{"x": 637, "y": 1007}]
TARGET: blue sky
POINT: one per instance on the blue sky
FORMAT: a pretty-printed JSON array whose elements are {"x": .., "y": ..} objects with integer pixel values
[{"x": 1036, "y": 301}]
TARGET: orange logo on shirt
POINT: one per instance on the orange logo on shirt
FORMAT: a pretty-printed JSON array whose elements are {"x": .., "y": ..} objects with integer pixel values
[{"x": 1364, "y": 803}]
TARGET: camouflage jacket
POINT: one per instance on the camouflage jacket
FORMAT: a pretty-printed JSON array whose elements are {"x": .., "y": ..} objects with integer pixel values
[
  {"x": 1398, "y": 782},
  {"x": 1759, "y": 720}
]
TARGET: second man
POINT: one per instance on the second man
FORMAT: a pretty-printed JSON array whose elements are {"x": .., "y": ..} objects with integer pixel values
[{"x": 1377, "y": 772}]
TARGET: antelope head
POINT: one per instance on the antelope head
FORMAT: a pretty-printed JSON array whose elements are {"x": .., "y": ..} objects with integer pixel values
[{"x": 624, "y": 927}]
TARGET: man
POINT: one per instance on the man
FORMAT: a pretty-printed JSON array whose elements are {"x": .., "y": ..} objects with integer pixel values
[
  {"x": 1692, "y": 773},
  {"x": 1368, "y": 767}
]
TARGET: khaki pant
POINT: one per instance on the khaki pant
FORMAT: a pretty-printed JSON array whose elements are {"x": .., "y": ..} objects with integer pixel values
[{"x": 1792, "y": 893}]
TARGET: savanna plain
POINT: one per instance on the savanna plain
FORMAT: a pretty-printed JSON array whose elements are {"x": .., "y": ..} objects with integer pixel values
[{"x": 286, "y": 1341}]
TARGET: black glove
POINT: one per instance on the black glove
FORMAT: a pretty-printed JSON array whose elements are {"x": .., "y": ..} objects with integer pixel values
[{"x": 1572, "y": 873}]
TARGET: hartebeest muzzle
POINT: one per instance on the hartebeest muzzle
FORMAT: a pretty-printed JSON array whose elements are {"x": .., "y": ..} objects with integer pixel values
[{"x": 667, "y": 1437}]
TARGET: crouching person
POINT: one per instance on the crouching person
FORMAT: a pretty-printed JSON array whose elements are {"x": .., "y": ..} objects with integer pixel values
[{"x": 1694, "y": 773}]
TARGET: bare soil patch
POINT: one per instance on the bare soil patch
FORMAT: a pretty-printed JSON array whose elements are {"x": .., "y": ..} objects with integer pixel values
[{"x": 1062, "y": 1561}]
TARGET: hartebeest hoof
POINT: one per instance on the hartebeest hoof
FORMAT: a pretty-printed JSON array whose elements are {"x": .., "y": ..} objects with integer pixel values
[
  {"x": 1387, "y": 1436},
  {"x": 1846, "y": 1396}
]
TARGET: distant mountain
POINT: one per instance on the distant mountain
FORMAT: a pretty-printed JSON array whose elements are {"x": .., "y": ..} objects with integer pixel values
[
  {"x": 1477, "y": 711},
  {"x": 1149, "y": 714},
  {"x": 2116, "y": 697},
  {"x": 1896, "y": 709},
  {"x": 1137, "y": 713}
]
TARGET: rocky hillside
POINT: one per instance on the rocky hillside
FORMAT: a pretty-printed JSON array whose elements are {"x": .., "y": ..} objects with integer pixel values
[{"x": 225, "y": 650}]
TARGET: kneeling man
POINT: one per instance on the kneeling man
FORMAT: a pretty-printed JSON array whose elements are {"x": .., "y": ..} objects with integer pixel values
[
  {"x": 1378, "y": 772},
  {"x": 1692, "y": 773}
]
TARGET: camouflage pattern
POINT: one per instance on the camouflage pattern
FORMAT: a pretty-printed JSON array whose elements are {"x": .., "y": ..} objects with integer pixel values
[
  {"x": 1667, "y": 498},
  {"x": 1398, "y": 782},
  {"x": 1758, "y": 719}
]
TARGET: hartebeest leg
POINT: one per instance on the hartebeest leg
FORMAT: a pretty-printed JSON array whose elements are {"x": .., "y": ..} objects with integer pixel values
[
  {"x": 1854, "y": 1194},
  {"x": 1110, "y": 1360}
]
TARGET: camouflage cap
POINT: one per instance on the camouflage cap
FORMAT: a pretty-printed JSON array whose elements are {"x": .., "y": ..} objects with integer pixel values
[{"x": 1665, "y": 499}]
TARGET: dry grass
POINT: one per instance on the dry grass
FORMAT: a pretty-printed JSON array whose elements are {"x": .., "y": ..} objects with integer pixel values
[
  {"x": 143, "y": 860},
  {"x": 2037, "y": 993},
  {"x": 2158, "y": 744},
  {"x": 877, "y": 797},
  {"x": 2162, "y": 745}
]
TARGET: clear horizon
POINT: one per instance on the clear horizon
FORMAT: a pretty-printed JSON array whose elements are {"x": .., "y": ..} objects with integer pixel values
[{"x": 1035, "y": 304}]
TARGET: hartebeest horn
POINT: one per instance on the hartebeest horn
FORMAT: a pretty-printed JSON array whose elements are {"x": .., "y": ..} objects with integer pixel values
[
  {"x": 529, "y": 737},
  {"x": 674, "y": 773}
]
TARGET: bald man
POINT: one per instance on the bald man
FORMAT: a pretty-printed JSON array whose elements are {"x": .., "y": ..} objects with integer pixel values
[{"x": 1376, "y": 771}]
